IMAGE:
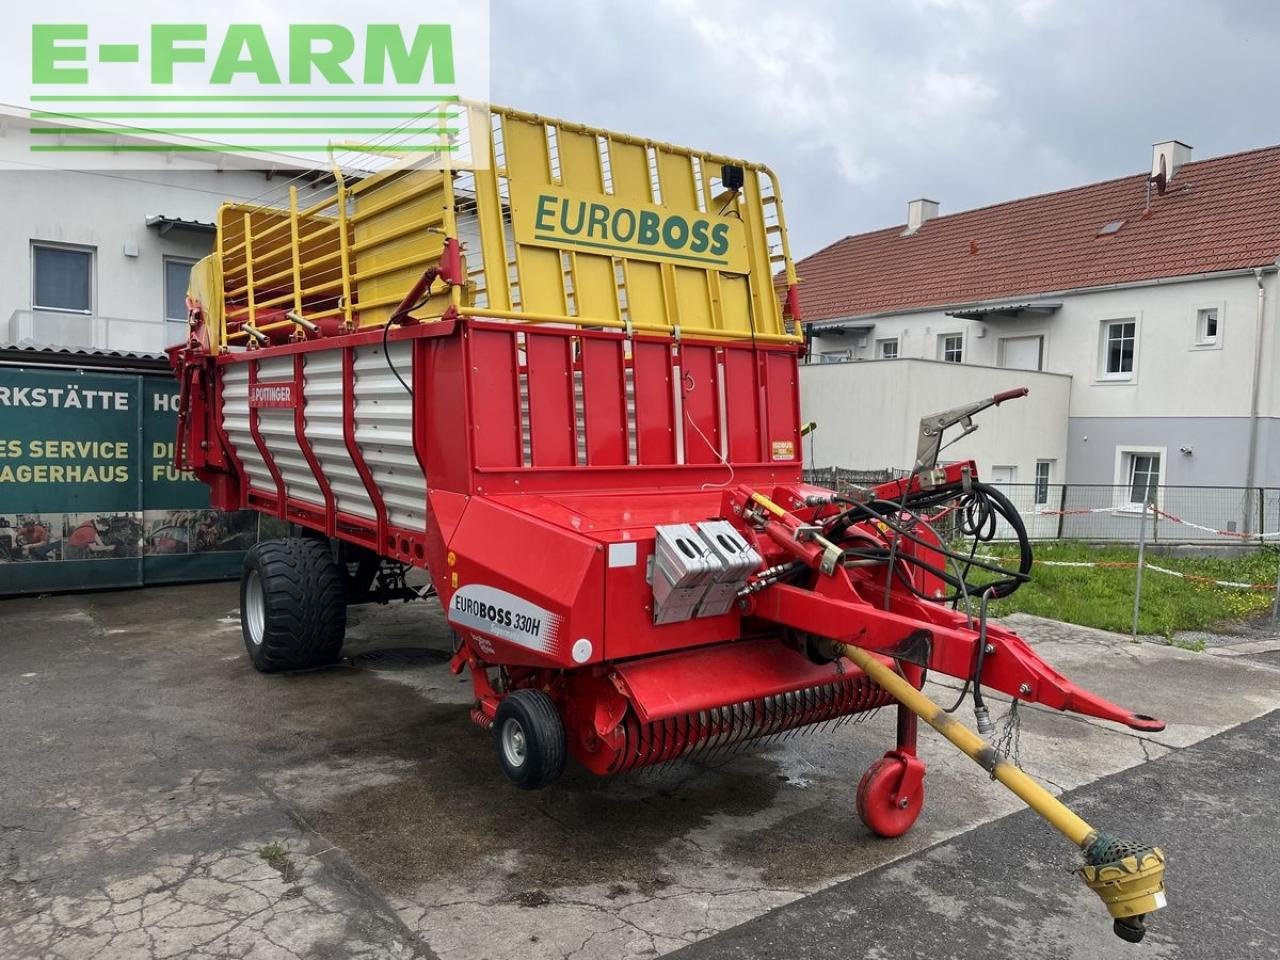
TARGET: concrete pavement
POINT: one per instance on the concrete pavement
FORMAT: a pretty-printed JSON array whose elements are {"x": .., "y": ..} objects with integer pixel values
[{"x": 161, "y": 799}]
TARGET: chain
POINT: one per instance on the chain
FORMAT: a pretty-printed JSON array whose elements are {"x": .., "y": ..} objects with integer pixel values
[{"x": 1008, "y": 740}]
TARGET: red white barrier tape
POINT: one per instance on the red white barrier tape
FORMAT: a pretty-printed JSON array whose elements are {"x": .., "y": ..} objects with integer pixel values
[
  {"x": 1232, "y": 584},
  {"x": 1147, "y": 564},
  {"x": 1222, "y": 533},
  {"x": 1137, "y": 512}
]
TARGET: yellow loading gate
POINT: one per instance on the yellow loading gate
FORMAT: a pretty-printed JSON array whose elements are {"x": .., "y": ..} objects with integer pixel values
[{"x": 558, "y": 223}]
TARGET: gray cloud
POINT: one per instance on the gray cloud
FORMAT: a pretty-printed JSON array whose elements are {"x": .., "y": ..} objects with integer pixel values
[{"x": 861, "y": 106}]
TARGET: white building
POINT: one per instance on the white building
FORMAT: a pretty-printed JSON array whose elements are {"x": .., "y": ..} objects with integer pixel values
[
  {"x": 1156, "y": 296},
  {"x": 97, "y": 260}
]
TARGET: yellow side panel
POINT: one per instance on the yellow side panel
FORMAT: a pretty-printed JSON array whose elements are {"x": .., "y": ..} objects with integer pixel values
[
  {"x": 630, "y": 171},
  {"x": 394, "y": 243},
  {"x": 525, "y": 144},
  {"x": 489, "y": 211},
  {"x": 646, "y": 303},
  {"x": 595, "y": 290},
  {"x": 693, "y": 297},
  {"x": 579, "y": 161},
  {"x": 678, "y": 191},
  {"x": 735, "y": 303},
  {"x": 768, "y": 316},
  {"x": 541, "y": 270}
]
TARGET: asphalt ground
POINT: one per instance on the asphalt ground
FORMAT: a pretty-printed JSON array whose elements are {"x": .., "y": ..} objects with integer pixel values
[
  {"x": 1006, "y": 887},
  {"x": 159, "y": 798}
]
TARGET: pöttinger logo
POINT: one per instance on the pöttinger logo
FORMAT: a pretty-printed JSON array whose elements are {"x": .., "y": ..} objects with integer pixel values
[{"x": 138, "y": 81}]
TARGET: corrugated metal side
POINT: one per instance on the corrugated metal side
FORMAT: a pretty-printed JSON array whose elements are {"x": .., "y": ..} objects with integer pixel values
[
  {"x": 275, "y": 425},
  {"x": 235, "y": 421},
  {"x": 384, "y": 432},
  {"x": 322, "y": 426}
]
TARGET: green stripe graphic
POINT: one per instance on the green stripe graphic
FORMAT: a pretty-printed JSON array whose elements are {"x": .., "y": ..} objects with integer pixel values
[
  {"x": 133, "y": 131},
  {"x": 243, "y": 98},
  {"x": 618, "y": 248},
  {"x": 237, "y": 148},
  {"x": 240, "y": 115}
]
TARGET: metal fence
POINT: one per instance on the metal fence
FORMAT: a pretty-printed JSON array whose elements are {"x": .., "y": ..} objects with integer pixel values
[{"x": 1106, "y": 513}]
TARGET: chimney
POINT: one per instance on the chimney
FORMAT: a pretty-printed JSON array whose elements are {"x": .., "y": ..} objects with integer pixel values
[
  {"x": 1174, "y": 152},
  {"x": 918, "y": 211}
]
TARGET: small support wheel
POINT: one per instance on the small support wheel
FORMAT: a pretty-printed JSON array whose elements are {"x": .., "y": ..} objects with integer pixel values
[
  {"x": 530, "y": 739},
  {"x": 891, "y": 794}
]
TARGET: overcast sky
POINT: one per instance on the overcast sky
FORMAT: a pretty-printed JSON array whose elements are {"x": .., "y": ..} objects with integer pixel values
[{"x": 861, "y": 106}]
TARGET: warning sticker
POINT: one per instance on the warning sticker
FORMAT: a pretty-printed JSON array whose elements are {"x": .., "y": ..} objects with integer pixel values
[{"x": 784, "y": 450}]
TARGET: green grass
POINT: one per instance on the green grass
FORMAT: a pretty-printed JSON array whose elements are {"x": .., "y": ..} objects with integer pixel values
[{"x": 1102, "y": 597}]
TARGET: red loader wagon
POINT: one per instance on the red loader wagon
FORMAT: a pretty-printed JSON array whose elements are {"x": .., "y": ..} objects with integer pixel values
[{"x": 553, "y": 372}]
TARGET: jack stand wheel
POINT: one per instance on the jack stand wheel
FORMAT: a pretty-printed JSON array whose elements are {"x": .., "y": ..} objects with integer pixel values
[
  {"x": 530, "y": 739},
  {"x": 891, "y": 794}
]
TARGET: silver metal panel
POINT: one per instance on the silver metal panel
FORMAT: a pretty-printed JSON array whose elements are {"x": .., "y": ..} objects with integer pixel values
[
  {"x": 384, "y": 433},
  {"x": 276, "y": 427},
  {"x": 235, "y": 421},
  {"x": 738, "y": 560},
  {"x": 684, "y": 567},
  {"x": 322, "y": 426}
]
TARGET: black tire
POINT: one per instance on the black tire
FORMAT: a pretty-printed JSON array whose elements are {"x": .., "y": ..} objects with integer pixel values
[
  {"x": 529, "y": 738},
  {"x": 359, "y": 565},
  {"x": 293, "y": 605}
]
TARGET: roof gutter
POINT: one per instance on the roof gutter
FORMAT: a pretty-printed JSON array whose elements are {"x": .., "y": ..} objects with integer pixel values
[{"x": 1073, "y": 291}]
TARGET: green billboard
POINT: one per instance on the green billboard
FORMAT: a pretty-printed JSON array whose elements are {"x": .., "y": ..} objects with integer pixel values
[{"x": 89, "y": 497}]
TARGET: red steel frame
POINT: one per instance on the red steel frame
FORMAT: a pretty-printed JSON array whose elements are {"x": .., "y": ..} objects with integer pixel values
[{"x": 715, "y": 423}]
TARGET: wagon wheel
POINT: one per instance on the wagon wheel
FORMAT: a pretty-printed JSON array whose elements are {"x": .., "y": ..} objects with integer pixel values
[
  {"x": 885, "y": 811},
  {"x": 530, "y": 739}
]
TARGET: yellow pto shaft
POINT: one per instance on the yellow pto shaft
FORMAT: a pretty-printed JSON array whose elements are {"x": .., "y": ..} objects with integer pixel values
[{"x": 1129, "y": 877}]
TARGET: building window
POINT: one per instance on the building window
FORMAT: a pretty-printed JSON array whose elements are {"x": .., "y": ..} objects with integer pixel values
[
  {"x": 177, "y": 273},
  {"x": 62, "y": 278},
  {"x": 1119, "y": 339},
  {"x": 1144, "y": 478},
  {"x": 1043, "y": 470},
  {"x": 951, "y": 347},
  {"x": 835, "y": 356},
  {"x": 887, "y": 349},
  {"x": 1207, "y": 326}
]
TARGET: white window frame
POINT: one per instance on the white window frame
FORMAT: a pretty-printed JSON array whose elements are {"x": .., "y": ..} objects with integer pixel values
[
  {"x": 942, "y": 346},
  {"x": 93, "y": 276},
  {"x": 1199, "y": 340},
  {"x": 164, "y": 285},
  {"x": 1104, "y": 328},
  {"x": 1041, "y": 505},
  {"x": 884, "y": 342},
  {"x": 1001, "y": 347},
  {"x": 1124, "y": 474}
]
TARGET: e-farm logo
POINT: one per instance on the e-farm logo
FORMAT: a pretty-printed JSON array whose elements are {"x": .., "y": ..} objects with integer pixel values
[{"x": 124, "y": 85}]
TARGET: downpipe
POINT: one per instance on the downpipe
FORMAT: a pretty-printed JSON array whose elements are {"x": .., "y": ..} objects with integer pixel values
[{"x": 1251, "y": 467}]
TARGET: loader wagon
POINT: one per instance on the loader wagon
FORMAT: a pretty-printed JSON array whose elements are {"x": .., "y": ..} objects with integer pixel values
[{"x": 560, "y": 377}]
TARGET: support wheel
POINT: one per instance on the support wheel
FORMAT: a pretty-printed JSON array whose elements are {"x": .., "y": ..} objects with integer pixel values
[
  {"x": 293, "y": 606},
  {"x": 530, "y": 739},
  {"x": 885, "y": 808}
]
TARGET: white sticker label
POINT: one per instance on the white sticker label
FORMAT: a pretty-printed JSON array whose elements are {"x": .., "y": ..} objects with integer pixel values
[
  {"x": 622, "y": 554},
  {"x": 502, "y": 614}
]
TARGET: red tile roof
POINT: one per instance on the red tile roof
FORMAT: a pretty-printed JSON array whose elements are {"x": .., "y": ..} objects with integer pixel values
[{"x": 1217, "y": 214}]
